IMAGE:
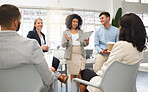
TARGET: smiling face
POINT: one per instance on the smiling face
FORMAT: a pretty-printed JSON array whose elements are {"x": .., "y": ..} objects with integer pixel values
[
  {"x": 104, "y": 20},
  {"x": 38, "y": 24},
  {"x": 75, "y": 23}
]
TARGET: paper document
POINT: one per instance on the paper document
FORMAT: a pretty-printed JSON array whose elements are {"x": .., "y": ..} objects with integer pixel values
[
  {"x": 85, "y": 36},
  {"x": 49, "y": 57}
]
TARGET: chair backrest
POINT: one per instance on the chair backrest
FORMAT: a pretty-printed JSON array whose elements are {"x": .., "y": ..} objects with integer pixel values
[
  {"x": 120, "y": 77},
  {"x": 20, "y": 79}
]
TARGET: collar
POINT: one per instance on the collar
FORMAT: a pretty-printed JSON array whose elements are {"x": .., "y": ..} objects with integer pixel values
[
  {"x": 108, "y": 28},
  {"x": 8, "y": 33}
]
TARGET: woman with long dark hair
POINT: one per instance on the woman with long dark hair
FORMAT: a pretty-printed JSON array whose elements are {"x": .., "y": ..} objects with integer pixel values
[{"x": 132, "y": 39}]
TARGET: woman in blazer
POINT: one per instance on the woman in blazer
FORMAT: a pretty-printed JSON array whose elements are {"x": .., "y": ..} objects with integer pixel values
[
  {"x": 132, "y": 38},
  {"x": 40, "y": 37},
  {"x": 74, "y": 53}
]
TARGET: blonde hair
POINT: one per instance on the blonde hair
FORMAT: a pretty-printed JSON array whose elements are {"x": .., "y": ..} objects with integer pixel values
[{"x": 36, "y": 21}]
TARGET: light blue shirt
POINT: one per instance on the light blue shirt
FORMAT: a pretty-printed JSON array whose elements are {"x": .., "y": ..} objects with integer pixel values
[{"x": 103, "y": 35}]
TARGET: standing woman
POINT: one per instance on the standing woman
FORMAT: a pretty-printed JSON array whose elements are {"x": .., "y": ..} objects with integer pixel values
[
  {"x": 40, "y": 37},
  {"x": 74, "y": 53}
]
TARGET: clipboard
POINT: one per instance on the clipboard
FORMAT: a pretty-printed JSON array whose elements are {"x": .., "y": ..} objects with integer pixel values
[{"x": 85, "y": 36}]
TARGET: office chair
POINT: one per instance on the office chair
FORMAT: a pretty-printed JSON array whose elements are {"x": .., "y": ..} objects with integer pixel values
[
  {"x": 118, "y": 77},
  {"x": 21, "y": 79}
]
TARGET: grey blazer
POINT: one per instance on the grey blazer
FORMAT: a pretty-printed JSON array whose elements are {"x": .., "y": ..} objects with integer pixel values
[
  {"x": 68, "y": 44},
  {"x": 16, "y": 50}
]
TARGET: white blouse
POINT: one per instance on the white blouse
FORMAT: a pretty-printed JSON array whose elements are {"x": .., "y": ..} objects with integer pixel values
[
  {"x": 74, "y": 38},
  {"x": 42, "y": 41}
]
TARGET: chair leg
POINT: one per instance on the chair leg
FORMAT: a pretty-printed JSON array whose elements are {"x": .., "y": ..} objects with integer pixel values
[
  {"x": 66, "y": 74},
  {"x": 81, "y": 86}
]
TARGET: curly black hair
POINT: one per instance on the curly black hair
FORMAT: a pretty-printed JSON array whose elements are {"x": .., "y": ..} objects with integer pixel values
[
  {"x": 69, "y": 18},
  {"x": 133, "y": 31}
]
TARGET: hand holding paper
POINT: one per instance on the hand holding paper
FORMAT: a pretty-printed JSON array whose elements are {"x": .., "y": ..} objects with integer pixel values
[
  {"x": 85, "y": 36},
  {"x": 87, "y": 41}
]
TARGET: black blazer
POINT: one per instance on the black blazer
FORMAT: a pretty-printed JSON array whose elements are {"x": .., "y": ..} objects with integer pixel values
[{"x": 34, "y": 35}]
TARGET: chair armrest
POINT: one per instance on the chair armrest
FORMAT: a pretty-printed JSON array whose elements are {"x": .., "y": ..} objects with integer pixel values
[{"x": 74, "y": 84}]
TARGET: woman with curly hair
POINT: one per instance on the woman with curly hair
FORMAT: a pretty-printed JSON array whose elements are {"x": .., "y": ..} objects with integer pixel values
[{"x": 74, "y": 53}]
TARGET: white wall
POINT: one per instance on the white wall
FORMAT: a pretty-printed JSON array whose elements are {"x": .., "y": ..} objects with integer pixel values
[
  {"x": 78, "y": 4},
  {"x": 115, "y": 5},
  {"x": 99, "y": 5},
  {"x": 135, "y": 7}
]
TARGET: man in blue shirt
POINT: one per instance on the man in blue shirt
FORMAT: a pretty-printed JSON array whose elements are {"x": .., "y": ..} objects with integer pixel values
[{"x": 106, "y": 33}]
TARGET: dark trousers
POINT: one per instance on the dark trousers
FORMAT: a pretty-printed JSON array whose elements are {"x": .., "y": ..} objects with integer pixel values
[
  {"x": 87, "y": 75},
  {"x": 55, "y": 62}
]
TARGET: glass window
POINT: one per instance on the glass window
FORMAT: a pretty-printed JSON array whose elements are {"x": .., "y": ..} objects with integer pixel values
[
  {"x": 140, "y": 15},
  {"x": 28, "y": 17},
  {"x": 89, "y": 17},
  {"x": 147, "y": 31},
  {"x": 144, "y": 1},
  {"x": 145, "y": 19},
  {"x": 131, "y": 0},
  {"x": 97, "y": 19},
  {"x": 54, "y": 36},
  {"x": 54, "y": 23}
]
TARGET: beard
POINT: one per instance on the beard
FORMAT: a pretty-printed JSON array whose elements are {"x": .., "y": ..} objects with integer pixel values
[{"x": 18, "y": 27}]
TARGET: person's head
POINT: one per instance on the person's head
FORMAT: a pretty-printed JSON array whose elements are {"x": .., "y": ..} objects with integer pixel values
[
  {"x": 9, "y": 17},
  {"x": 104, "y": 18},
  {"x": 132, "y": 30},
  {"x": 73, "y": 21},
  {"x": 38, "y": 24}
]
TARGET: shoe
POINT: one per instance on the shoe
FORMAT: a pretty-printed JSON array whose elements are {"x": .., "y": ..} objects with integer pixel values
[{"x": 63, "y": 78}]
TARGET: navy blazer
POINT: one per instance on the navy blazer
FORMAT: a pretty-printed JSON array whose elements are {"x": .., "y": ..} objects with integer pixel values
[{"x": 34, "y": 35}]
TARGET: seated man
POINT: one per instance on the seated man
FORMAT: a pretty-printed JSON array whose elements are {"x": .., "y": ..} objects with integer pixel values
[{"x": 16, "y": 50}]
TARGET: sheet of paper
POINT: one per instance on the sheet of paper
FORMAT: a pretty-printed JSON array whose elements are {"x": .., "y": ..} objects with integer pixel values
[
  {"x": 49, "y": 57},
  {"x": 85, "y": 36}
]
